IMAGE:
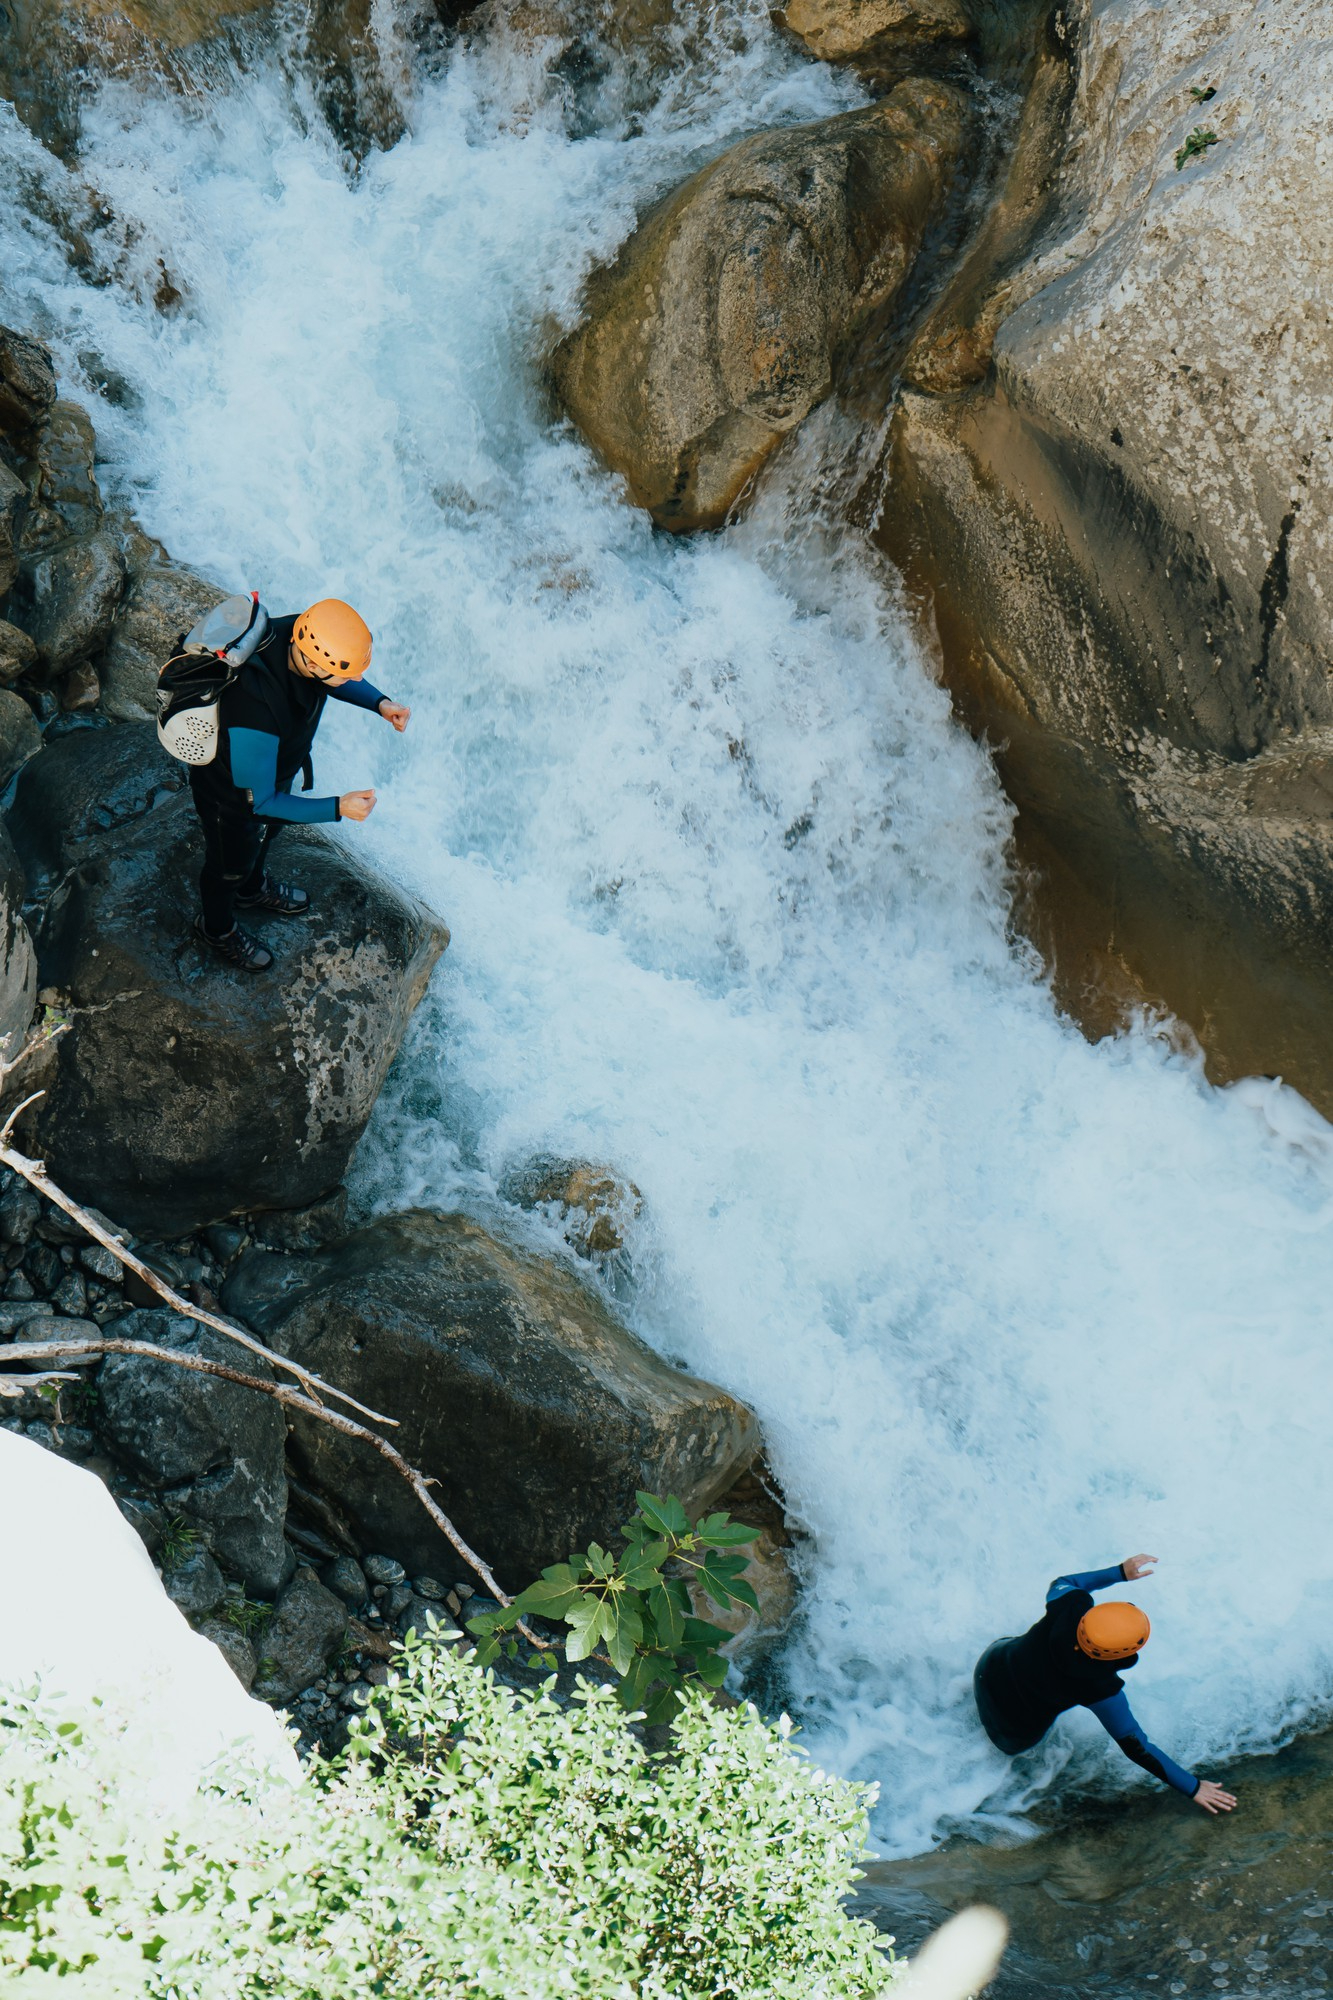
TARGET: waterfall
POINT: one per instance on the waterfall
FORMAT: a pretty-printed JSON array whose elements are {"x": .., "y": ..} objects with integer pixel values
[{"x": 728, "y": 894}]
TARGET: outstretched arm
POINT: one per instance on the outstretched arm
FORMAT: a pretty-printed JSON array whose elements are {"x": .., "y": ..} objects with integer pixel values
[
  {"x": 1118, "y": 1720},
  {"x": 254, "y": 767},
  {"x": 361, "y": 694},
  {"x": 357, "y": 694},
  {"x": 1129, "y": 1571}
]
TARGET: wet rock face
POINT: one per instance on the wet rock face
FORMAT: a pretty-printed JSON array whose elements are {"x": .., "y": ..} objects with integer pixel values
[
  {"x": 718, "y": 328},
  {"x": 162, "y": 601},
  {"x": 880, "y": 37},
  {"x": 18, "y": 960},
  {"x": 53, "y": 53},
  {"x": 1126, "y": 529},
  {"x": 212, "y": 1449},
  {"x": 190, "y": 1089},
  {"x": 514, "y": 1385}
]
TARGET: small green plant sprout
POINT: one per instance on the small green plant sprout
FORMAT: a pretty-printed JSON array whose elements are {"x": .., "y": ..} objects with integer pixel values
[
  {"x": 179, "y": 1540},
  {"x": 637, "y": 1605},
  {"x": 1200, "y": 139},
  {"x": 246, "y": 1614},
  {"x": 1202, "y": 93}
]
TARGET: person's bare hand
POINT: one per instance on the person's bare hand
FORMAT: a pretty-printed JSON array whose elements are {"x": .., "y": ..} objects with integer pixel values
[
  {"x": 356, "y": 805},
  {"x": 396, "y": 712},
  {"x": 1212, "y": 1798},
  {"x": 1137, "y": 1566}
]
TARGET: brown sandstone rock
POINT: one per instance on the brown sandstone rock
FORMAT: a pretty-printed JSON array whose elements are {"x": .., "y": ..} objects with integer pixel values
[
  {"x": 18, "y": 655},
  {"x": 718, "y": 327},
  {"x": 593, "y": 1204},
  {"x": 875, "y": 34},
  {"x": 515, "y": 1385},
  {"x": 1127, "y": 528}
]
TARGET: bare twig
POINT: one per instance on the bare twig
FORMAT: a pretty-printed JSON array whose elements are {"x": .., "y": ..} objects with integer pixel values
[
  {"x": 34, "y": 1172},
  {"x": 291, "y": 1399}
]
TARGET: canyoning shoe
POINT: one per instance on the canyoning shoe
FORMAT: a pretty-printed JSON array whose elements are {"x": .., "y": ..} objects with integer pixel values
[
  {"x": 237, "y": 947},
  {"x": 278, "y": 897}
]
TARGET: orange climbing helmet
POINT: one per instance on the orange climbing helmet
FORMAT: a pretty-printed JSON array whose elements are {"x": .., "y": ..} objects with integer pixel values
[
  {"x": 334, "y": 639},
  {"x": 1113, "y": 1631}
]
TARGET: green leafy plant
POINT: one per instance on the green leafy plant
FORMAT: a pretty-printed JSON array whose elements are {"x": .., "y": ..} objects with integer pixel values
[
  {"x": 1200, "y": 139},
  {"x": 1202, "y": 94},
  {"x": 474, "y": 1842},
  {"x": 179, "y": 1540},
  {"x": 637, "y": 1605}
]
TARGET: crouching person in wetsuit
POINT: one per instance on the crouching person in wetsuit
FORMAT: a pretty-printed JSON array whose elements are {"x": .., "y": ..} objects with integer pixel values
[
  {"x": 1073, "y": 1658},
  {"x": 267, "y": 720}
]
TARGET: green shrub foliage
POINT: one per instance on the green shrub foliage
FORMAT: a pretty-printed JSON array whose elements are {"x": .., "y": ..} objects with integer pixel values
[
  {"x": 473, "y": 1842},
  {"x": 637, "y": 1605}
]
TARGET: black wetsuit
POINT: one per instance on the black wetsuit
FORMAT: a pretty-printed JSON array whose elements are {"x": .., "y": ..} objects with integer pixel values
[
  {"x": 267, "y": 720},
  {"x": 1022, "y": 1685}
]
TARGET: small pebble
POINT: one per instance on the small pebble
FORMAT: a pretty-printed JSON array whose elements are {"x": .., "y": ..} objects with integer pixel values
[
  {"x": 426, "y": 1586},
  {"x": 71, "y": 1296},
  {"x": 100, "y": 1261},
  {"x": 383, "y": 1569}
]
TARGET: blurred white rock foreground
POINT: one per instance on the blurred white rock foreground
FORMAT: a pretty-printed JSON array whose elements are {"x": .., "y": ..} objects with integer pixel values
[{"x": 84, "y": 1617}]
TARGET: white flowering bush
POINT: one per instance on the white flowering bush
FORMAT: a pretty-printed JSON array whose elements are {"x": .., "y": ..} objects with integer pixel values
[{"x": 473, "y": 1842}]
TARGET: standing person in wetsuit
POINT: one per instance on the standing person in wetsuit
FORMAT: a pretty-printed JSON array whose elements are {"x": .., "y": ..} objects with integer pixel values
[
  {"x": 267, "y": 720},
  {"x": 1073, "y": 1658}
]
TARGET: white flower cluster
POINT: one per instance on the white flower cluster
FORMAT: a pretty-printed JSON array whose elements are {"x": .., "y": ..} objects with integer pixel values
[{"x": 474, "y": 1842}]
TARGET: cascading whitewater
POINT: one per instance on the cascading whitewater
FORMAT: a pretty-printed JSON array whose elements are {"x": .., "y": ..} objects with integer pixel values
[{"x": 728, "y": 898}]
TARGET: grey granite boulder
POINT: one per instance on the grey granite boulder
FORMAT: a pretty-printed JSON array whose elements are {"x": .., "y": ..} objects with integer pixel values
[
  {"x": 296, "y": 1643},
  {"x": 192, "y": 1089},
  {"x": 515, "y": 1386},
  {"x": 195, "y": 1584},
  {"x": 212, "y": 1449}
]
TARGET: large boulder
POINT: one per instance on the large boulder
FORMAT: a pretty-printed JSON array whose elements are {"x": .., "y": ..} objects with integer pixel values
[
  {"x": 162, "y": 600},
  {"x": 719, "y": 326},
  {"x": 514, "y": 1386},
  {"x": 1126, "y": 527},
  {"x": 188, "y": 1091},
  {"x": 67, "y": 597},
  {"x": 213, "y": 1447}
]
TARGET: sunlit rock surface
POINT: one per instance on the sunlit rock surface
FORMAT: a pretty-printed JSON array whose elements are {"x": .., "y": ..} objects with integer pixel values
[
  {"x": 87, "y": 1620},
  {"x": 717, "y": 329},
  {"x": 1125, "y": 529}
]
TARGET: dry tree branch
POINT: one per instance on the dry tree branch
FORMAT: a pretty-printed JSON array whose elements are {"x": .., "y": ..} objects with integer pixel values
[
  {"x": 34, "y": 1172},
  {"x": 291, "y": 1399}
]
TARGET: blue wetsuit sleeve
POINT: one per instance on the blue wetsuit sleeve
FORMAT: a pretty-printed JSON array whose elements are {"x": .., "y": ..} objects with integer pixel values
[
  {"x": 1117, "y": 1719},
  {"x": 357, "y": 694},
  {"x": 1087, "y": 1579},
  {"x": 254, "y": 767}
]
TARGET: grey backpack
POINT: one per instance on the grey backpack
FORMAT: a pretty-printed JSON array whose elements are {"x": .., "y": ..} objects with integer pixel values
[{"x": 203, "y": 664}]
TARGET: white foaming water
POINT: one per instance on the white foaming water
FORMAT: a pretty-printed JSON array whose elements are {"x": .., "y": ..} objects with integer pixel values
[{"x": 728, "y": 902}]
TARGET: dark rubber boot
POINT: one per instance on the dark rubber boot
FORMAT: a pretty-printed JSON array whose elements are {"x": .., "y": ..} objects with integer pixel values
[
  {"x": 277, "y": 897},
  {"x": 238, "y": 948}
]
